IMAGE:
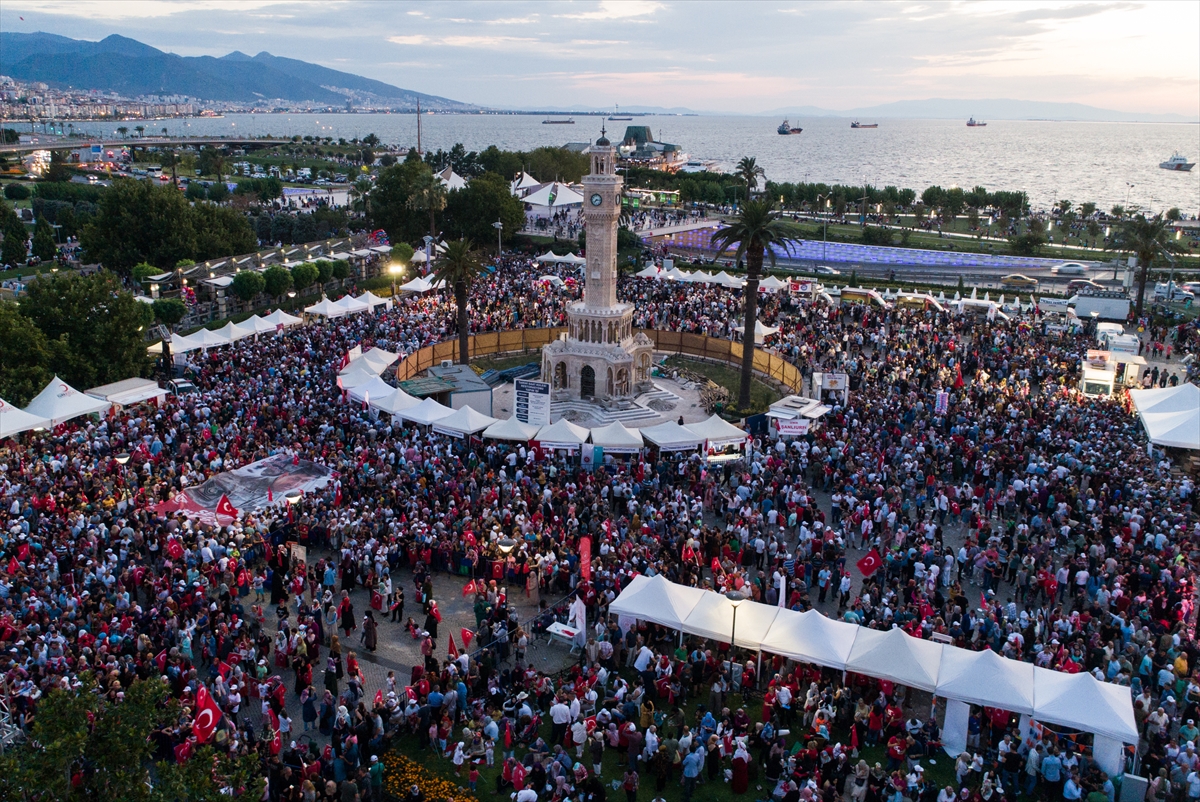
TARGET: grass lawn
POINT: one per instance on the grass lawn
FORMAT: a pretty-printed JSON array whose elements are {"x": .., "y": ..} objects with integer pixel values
[{"x": 761, "y": 395}]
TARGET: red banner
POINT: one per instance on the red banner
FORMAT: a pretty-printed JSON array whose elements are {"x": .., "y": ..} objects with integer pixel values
[{"x": 585, "y": 558}]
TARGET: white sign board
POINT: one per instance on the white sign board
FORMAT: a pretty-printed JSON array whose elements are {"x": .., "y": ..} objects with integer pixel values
[
  {"x": 802, "y": 287},
  {"x": 531, "y": 402},
  {"x": 835, "y": 381},
  {"x": 794, "y": 428}
]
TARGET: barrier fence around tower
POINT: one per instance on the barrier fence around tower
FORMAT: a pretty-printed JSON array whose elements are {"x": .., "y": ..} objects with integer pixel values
[{"x": 682, "y": 343}]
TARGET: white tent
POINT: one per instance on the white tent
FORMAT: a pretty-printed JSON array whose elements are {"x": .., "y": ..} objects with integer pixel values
[
  {"x": 548, "y": 279},
  {"x": 463, "y": 421},
  {"x": 726, "y": 280},
  {"x": 60, "y": 402},
  {"x": 426, "y": 412},
  {"x": 523, "y": 183},
  {"x": 716, "y": 430},
  {"x": 282, "y": 318},
  {"x": 325, "y": 308},
  {"x": 451, "y": 180},
  {"x": 1084, "y": 702},
  {"x": 554, "y": 196},
  {"x": 351, "y": 305},
  {"x": 128, "y": 391},
  {"x": 986, "y": 678},
  {"x": 657, "y": 600},
  {"x": 549, "y": 257},
  {"x": 511, "y": 429},
  {"x": 897, "y": 656},
  {"x": 1171, "y": 415},
  {"x": 236, "y": 331},
  {"x": 572, "y": 259},
  {"x": 202, "y": 339},
  {"x": 418, "y": 284},
  {"x": 394, "y": 402},
  {"x": 670, "y": 436},
  {"x": 771, "y": 284},
  {"x": 372, "y": 300},
  {"x": 812, "y": 638},
  {"x": 376, "y": 359},
  {"x": 675, "y": 274},
  {"x": 355, "y": 375},
  {"x": 14, "y": 420},
  {"x": 562, "y": 434},
  {"x": 712, "y": 617},
  {"x": 179, "y": 345},
  {"x": 616, "y": 438},
  {"x": 701, "y": 277},
  {"x": 260, "y": 324},
  {"x": 374, "y": 388},
  {"x": 647, "y": 272},
  {"x": 761, "y": 332}
]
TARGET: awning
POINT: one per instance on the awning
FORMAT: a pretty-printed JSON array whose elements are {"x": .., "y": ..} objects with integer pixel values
[
  {"x": 511, "y": 429},
  {"x": 426, "y": 412},
  {"x": 128, "y": 391},
  {"x": 897, "y": 656},
  {"x": 463, "y": 421},
  {"x": 656, "y": 600},
  {"x": 1170, "y": 415},
  {"x": 716, "y": 430},
  {"x": 617, "y": 439},
  {"x": 670, "y": 436},
  {"x": 60, "y": 402},
  {"x": 562, "y": 434}
]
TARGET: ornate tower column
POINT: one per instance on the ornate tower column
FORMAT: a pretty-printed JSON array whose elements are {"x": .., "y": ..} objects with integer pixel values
[{"x": 601, "y": 212}]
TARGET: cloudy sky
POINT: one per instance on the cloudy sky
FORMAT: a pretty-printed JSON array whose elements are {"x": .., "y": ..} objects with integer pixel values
[{"x": 734, "y": 56}]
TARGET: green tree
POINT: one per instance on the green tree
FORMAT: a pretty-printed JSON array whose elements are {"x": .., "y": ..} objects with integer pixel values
[
  {"x": 428, "y": 195},
  {"x": 15, "y": 191},
  {"x": 43, "y": 241},
  {"x": 101, "y": 324},
  {"x": 276, "y": 281},
  {"x": 1148, "y": 239},
  {"x": 324, "y": 271},
  {"x": 750, "y": 172},
  {"x": 304, "y": 275},
  {"x": 220, "y": 231},
  {"x": 136, "y": 221},
  {"x": 24, "y": 371},
  {"x": 15, "y": 248},
  {"x": 341, "y": 270},
  {"x": 472, "y": 211},
  {"x": 403, "y": 252},
  {"x": 754, "y": 235},
  {"x": 360, "y": 192},
  {"x": 247, "y": 284},
  {"x": 459, "y": 267},
  {"x": 169, "y": 311},
  {"x": 1174, "y": 215}
]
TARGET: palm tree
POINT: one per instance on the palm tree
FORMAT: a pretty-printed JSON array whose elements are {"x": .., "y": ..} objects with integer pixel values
[
  {"x": 358, "y": 194},
  {"x": 1147, "y": 239},
  {"x": 750, "y": 172},
  {"x": 122, "y": 130},
  {"x": 141, "y": 130},
  {"x": 428, "y": 195},
  {"x": 459, "y": 267},
  {"x": 751, "y": 234}
]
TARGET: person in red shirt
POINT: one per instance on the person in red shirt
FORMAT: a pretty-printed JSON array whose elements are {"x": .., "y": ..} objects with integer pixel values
[{"x": 897, "y": 750}]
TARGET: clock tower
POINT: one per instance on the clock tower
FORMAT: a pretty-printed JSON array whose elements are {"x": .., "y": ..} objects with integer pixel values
[{"x": 601, "y": 357}]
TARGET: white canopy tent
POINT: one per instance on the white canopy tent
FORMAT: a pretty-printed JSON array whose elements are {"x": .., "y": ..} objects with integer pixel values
[
  {"x": 811, "y": 637},
  {"x": 713, "y": 617},
  {"x": 549, "y": 257},
  {"x": 451, "y": 180},
  {"x": 1084, "y": 702},
  {"x": 426, "y": 412},
  {"x": 701, "y": 277},
  {"x": 549, "y": 279},
  {"x": 511, "y": 429},
  {"x": 372, "y": 300},
  {"x": 375, "y": 359},
  {"x": 616, "y": 438},
  {"x": 179, "y": 345},
  {"x": 670, "y": 436},
  {"x": 986, "y": 678},
  {"x": 260, "y": 324},
  {"x": 60, "y": 402},
  {"x": 351, "y": 305},
  {"x": 200, "y": 340},
  {"x": 394, "y": 402},
  {"x": 897, "y": 656},
  {"x": 419, "y": 284},
  {"x": 647, "y": 272},
  {"x": 374, "y": 388},
  {"x": 325, "y": 308},
  {"x": 128, "y": 391},
  {"x": 552, "y": 197},
  {"x": 1170, "y": 415},
  {"x": 572, "y": 259},
  {"x": 656, "y": 600},
  {"x": 761, "y": 332},
  {"x": 523, "y": 182},
  {"x": 354, "y": 375},
  {"x": 726, "y": 280},
  {"x": 771, "y": 284},
  {"x": 236, "y": 331},
  {"x": 562, "y": 434},
  {"x": 14, "y": 420},
  {"x": 462, "y": 422},
  {"x": 282, "y": 318},
  {"x": 716, "y": 430}
]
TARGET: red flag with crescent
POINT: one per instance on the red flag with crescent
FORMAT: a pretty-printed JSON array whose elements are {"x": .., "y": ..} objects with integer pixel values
[
  {"x": 225, "y": 508},
  {"x": 208, "y": 715},
  {"x": 469, "y": 588},
  {"x": 174, "y": 549},
  {"x": 276, "y": 735},
  {"x": 453, "y": 649},
  {"x": 379, "y": 697},
  {"x": 467, "y": 635},
  {"x": 870, "y": 563}
]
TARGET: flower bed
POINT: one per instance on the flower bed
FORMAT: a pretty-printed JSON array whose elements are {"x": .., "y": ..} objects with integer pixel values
[{"x": 402, "y": 774}]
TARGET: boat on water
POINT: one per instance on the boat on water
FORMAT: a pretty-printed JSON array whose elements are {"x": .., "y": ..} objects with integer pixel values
[
  {"x": 1178, "y": 163},
  {"x": 857, "y": 124},
  {"x": 700, "y": 166},
  {"x": 616, "y": 115},
  {"x": 785, "y": 128},
  {"x": 973, "y": 123},
  {"x": 558, "y": 122}
]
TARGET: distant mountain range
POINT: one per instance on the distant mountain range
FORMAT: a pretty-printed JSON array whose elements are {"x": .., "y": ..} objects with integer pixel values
[
  {"x": 126, "y": 66},
  {"x": 991, "y": 109}
]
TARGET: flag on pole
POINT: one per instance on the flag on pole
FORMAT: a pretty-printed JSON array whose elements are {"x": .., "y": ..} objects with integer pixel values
[
  {"x": 452, "y": 647},
  {"x": 208, "y": 715},
  {"x": 870, "y": 563},
  {"x": 467, "y": 636}
]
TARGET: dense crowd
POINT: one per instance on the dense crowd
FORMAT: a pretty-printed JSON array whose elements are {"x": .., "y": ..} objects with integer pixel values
[{"x": 1021, "y": 517}]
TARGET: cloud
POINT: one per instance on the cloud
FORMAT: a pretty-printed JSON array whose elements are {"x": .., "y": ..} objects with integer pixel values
[
  {"x": 413, "y": 39},
  {"x": 128, "y": 9},
  {"x": 617, "y": 9}
]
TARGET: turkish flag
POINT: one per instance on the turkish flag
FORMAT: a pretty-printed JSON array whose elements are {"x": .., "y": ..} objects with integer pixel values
[
  {"x": 870, "y": 563},
  {"x": 223, "y": 669},
  {"x": 174, "y": 549},
  {"x": 13, "y": 566},
  {"x": 379, "y": 697},
  {"x": 183, "y": 751},
  {"x": 467, "y": 636},
  {"x": 716, "y": 565},
  {"x": 161, "y": 660},
  {"x": 453, "y": 648},
  {"x": 270, "y": 495},
  {"x": 585, "y": 558},
  {"x": 276, "y": 735},
  {"x": 23, "y": 552},
  {"x": 469, "y": 588},
  {"x": 225, "y": 508},
  {"x": 208, "y": 715}
]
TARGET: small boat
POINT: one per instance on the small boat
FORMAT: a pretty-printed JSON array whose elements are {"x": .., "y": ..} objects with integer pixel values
[
  {"x": 1177, "y": 163},
  {"x": 973, "y": 123},
  {"x": 785, "y": 128},
  {"x": 857, "y": 124},
  {"x": 616, "y": 114},
  {"x": 558, "y": 122}
]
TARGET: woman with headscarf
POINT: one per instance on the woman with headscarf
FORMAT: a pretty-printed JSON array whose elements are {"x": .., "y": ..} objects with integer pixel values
[
  {"x": 741, "y": 768},
  {"x": 370, "y": 631},
  {"x": 856, "y": 783}
]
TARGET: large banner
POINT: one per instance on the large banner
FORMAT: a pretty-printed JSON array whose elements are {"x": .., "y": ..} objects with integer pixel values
[{"x": 251, "y": 487}]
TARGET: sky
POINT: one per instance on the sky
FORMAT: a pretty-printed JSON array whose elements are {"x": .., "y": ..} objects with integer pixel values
[{"x": 744, "y": 57}]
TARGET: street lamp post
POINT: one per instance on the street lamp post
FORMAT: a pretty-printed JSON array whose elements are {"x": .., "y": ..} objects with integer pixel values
[
  {"x": 395, "y": 269},
  {"x": 499, "y": 226},
  {"x": 428, "y": 248},
  {"x": 292, "y": 300},
  {"x": 735, "y": 597}
]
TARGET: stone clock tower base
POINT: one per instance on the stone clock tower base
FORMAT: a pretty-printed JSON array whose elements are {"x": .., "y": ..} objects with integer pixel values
[{"x": 600, "y": 358}]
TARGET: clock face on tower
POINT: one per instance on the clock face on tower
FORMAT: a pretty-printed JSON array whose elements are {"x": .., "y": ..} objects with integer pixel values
[{"x": 596, "y": 199}]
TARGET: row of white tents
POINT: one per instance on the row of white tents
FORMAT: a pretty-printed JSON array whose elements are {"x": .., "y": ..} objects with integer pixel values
[
  {"x": 57, "y": 403},
  {"x": 964, "y": 676},
  {"x": 1170, "y": 415},
  {"x": 348, "y": 305},
  {"x": 229, "y": 333},
  {"x": 722, "y": 279},
  {"x": 549, "y": 257}
]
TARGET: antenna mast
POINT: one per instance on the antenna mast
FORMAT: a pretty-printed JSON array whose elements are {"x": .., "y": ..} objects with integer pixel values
[{"x": 419, "y": 151}]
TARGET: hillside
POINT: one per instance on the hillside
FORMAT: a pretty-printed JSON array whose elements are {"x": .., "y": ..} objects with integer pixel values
[{"x": 131, "y": 68}]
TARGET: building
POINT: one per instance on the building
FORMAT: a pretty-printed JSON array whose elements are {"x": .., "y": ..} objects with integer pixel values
[{"x": 600, "y": 357}]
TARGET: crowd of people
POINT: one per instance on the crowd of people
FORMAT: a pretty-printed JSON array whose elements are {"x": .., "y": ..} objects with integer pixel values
[{"x": 1013, "y": 515}]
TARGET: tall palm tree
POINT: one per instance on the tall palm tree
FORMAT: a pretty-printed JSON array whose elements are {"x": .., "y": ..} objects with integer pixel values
[
  {"x": 751, "y": 234},
  {"x": 359, "y": 192},
  {"x": 749, "y": 171},
  {"x": 459, "y": 267},
  {"x": 428, "y": 194},
  {"x": 1147, "y": 239}
]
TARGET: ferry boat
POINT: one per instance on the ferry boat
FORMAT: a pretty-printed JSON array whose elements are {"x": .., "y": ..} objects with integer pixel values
[
  {"x": 1177, "y": 163},
  {"x": 558, "y": 122},
  {"x": 785, "y": 128},
  {"x": 973, "y": 123},
  {"x": 857, "y": 124}
]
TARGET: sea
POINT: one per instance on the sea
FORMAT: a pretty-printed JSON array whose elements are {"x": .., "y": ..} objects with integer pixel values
[{"x": 1104, "y": 163}]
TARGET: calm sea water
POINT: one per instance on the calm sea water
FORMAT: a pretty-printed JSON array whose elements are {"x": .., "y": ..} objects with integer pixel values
[{"x": 1048, "y": 160}]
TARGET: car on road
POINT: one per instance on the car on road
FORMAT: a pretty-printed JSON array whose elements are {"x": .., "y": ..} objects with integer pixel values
[
  {"x": 1019, "y": 282},
  {"x": 1071, "y": 269},
  {"x": 1075, "y": 285},
  {"x": 826, "y": 270},
  {"x": 1191, "y": 286}
]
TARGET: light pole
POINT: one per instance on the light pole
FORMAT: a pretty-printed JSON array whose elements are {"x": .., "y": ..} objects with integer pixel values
[
  {"x": 735, "y": 597},
  {"x": 292, "y": 300},
  {"x": 499, "y": 226},
  {"x": 395, "y": 269},
  {"x": 428, "y": 247}
]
